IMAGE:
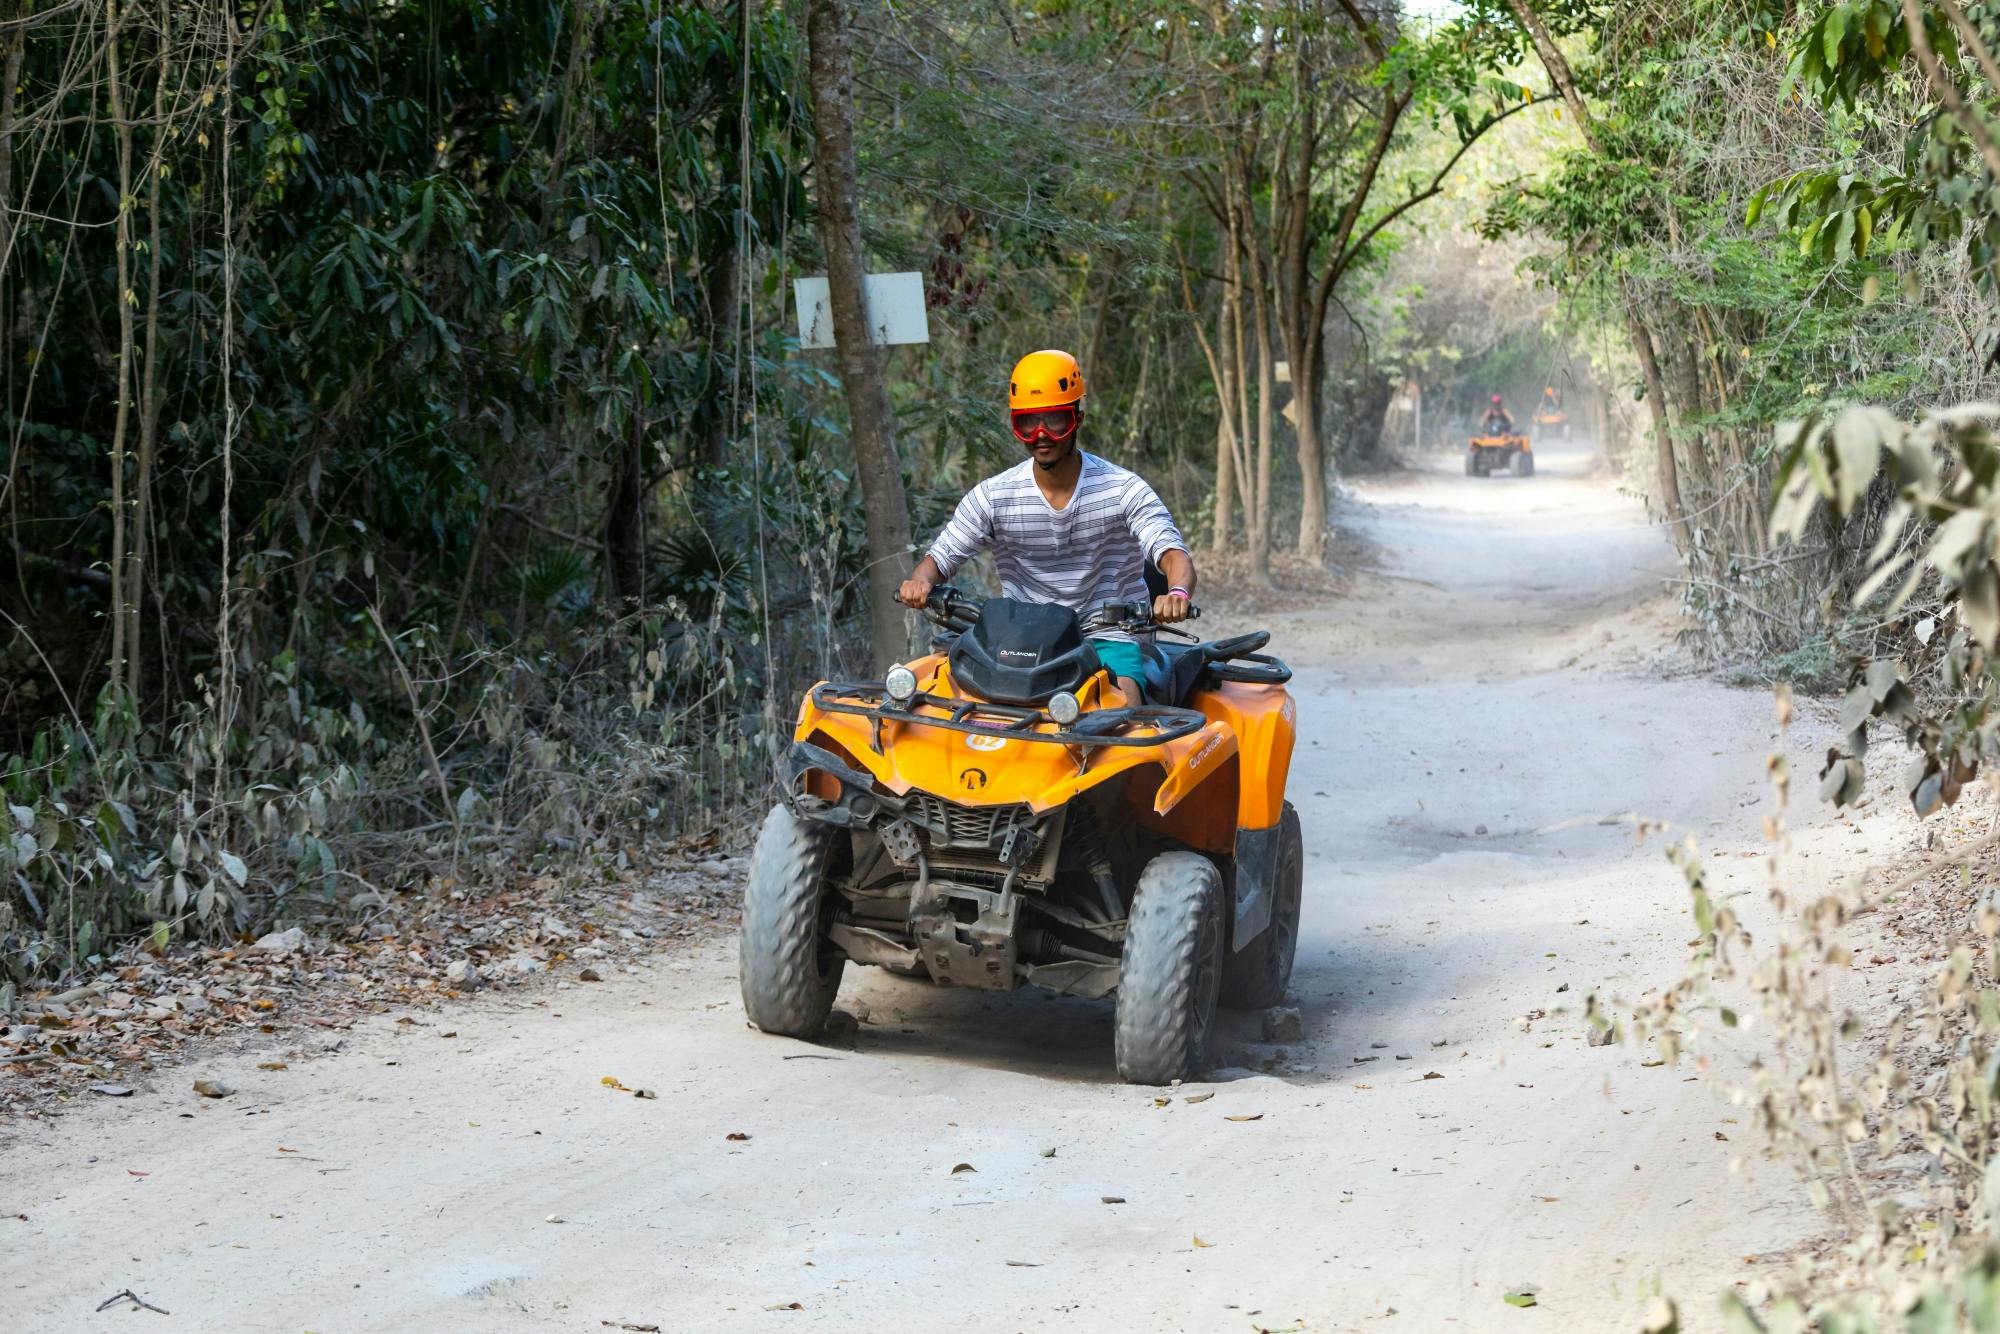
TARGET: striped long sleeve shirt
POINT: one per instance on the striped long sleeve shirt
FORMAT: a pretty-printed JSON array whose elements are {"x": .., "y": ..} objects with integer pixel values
[{"x": 1090, "y": 552}]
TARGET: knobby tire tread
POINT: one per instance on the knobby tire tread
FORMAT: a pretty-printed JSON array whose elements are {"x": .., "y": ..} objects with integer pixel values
[
  {"x": 785, "y": 990},
  {"x": 1162, "y": 1028}
]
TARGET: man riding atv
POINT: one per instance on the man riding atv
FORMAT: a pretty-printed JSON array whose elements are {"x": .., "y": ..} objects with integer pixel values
[
  {"x": 1007, "y": 810},
  {"x": 1065, "y": 526},
  {"x": 1497, "y": 421}
]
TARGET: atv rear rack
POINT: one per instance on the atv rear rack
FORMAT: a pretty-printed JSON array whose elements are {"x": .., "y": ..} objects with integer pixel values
[{"x": 1102, "y": 727}]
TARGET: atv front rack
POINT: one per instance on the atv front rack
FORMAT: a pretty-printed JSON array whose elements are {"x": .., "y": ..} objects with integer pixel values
[{"x": 1101, "y": 727}]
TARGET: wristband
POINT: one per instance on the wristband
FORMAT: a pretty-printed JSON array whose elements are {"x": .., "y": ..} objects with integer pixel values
[{"x": 1178, "y": 591}]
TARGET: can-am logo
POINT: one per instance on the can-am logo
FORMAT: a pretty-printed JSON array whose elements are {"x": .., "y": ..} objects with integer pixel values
[{"x": 1019, "y": 653}]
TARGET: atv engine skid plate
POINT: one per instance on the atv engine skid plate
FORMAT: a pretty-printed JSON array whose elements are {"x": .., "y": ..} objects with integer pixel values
[{"x": 977, "y": 953}]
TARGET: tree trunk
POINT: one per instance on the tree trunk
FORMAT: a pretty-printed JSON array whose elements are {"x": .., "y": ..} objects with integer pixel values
[
  {"x": 1219, "y": 374},
  {"x": 1312, "y": 466},
  {"x": 122, "y": 596},
  {"x": 725, "y": 324},
  {"x": 625, "y": 524},
  {"x": 149, "y": 394},
  {"x": 1238, "y": 354},
  {"x": 1260, "y": 515},
  {"x": 871, "y": 419},
  {"x": 724, "y": 320},
  {"x": 1656, "y": 403}
]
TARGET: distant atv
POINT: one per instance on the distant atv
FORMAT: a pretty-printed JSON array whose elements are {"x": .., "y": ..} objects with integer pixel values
[
  {"x": 1484, "y": 453},
  {"x": 1551, "y": 418},
  {"x": 996, "y": 813}
]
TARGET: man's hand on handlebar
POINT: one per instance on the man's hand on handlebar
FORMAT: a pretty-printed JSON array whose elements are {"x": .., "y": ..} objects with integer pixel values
[
  {"x": 1169, "y": 608},
  {"x": 915, "y": 593}
]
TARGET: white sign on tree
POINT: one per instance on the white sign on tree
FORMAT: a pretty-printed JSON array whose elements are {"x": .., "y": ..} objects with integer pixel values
[{"x": 896, "y": 312}]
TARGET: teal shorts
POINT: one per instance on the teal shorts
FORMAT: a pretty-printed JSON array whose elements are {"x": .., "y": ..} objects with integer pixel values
[{"x": 1121, "y": 658}]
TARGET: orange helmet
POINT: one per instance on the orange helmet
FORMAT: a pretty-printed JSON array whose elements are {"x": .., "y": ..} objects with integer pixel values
[{"x": 1047, "y": 379}]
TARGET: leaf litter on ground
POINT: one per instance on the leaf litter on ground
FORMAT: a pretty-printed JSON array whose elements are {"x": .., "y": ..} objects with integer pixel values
[{"x": 146, "y": 1008}]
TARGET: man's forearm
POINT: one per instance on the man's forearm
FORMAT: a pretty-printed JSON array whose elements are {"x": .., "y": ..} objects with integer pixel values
[{"x": 1178, "y": 566}]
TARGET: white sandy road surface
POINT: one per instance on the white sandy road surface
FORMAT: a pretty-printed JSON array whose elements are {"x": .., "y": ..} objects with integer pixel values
[{"x": 1466, "y": 718}]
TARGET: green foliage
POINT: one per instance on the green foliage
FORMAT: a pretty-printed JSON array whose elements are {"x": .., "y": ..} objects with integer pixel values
[
  {"x": 1860, "y": 51},
  {"x": 431, "y": 281}
]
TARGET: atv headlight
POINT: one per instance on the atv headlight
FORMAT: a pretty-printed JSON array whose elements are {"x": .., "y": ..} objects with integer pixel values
[
  {"x": 1065, "y": 708},
  {"x": 901, "y": 683}
]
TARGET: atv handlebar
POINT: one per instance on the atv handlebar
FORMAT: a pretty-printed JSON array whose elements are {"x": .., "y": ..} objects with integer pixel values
[{"x": 952, "y": 609}]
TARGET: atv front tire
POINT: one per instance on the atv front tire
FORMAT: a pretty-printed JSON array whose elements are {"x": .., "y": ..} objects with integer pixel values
[
  {"x": 1471, "y": 463},
  {"x": 789, "y": 969},
  {"x": 1255, "y": 977},
  {"x": 1524, "y": 464},
  {"x": 1171, "y": 973}
]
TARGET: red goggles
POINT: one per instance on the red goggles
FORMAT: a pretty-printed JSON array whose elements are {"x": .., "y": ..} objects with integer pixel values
[{"x": 1035, "y": 426}]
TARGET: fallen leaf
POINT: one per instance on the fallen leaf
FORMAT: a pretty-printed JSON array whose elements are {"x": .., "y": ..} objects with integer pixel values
[
  {"x": 272, "y": 1065},
  {"x": 1200, "y": 1244},
  {"x": 1649, "y": 1065},
  {"x": 283, "y": 1149},
  {"x": 738, "y": 1136},
  {"x": 627, "y": 1324},
  {"x": 1254, "y": 1116},
  {"x": 785, "y": 1306},
  {"x": 1430, "y": 1074},
  {"x": 263, "y": 1003},
  {"x": 611, "y": 1082},
  {"x": 1161, "y": 1102},
  {"x": 212, "y": 1088},
  {"x": 1724, "y": 1138},
  {"x": 453, "y": 1034},
  {"x": 963, "y": 1167},
  {"x": 644, "y": 1093},
  {"x": 1049, "y": 1152},
  {"x": 1548, "y": 1199},
  {"x": 1112, "y": 1199},
  {"x": 1199, "y": 1097},
  {"x": 112, "y": 1090},
  {"x": 135, "y": 1172},
  {"x": 1364, "y": 1086},
  {"x": 1521, "y": 1299},
  {"x": 1024, "y": 1264},
  {"x": 588, "y": 975}
]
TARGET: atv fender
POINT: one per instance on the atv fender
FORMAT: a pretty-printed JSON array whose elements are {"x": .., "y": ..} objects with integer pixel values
[
  {"x": 1201, "y": 757},
  {"x": 804, "y": 759},
  {"x": 1256, "y": 883}
]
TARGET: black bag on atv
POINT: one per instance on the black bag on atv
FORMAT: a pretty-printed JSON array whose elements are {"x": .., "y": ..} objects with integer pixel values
[{"x": 1022, "y": 652}]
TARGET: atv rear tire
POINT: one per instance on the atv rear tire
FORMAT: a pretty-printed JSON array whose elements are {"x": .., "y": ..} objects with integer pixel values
[
  {"x": 1255, "y": 977},
  {"x": 789, "y": 969},
  {"x": 1171, "y": 974}
]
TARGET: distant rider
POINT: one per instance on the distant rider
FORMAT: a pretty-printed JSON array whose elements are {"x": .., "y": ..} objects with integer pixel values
[
  {"x": 1496, "y": 421},
  {"x": 1064, "y": 526}
]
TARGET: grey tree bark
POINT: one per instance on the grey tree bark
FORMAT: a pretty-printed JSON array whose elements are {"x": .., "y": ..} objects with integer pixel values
[{"x": 872, "y": 423}]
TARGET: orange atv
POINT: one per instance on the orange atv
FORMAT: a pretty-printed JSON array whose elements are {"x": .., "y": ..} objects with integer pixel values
[
  {"x": 1550, "y": 416},
  {"x": 997, "y": 813},
  {"x": 1484, "y": 453}
]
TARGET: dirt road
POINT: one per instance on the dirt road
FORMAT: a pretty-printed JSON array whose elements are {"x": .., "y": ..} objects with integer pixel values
[{"x": 1466, "y": 720}]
